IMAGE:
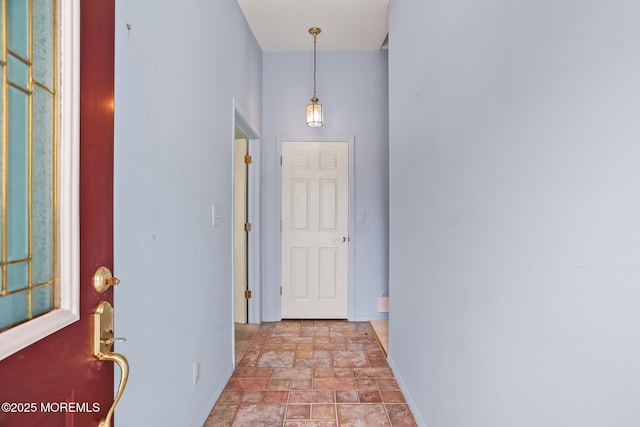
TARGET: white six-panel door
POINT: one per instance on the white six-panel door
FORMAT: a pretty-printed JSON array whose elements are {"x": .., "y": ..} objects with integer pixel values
[{"x": 315, "y": 230}]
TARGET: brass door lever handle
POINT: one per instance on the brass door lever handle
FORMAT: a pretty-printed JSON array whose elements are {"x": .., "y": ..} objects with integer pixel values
[
  {"x": 103, "y": 340},
  {"x": 124, "y": 376}
]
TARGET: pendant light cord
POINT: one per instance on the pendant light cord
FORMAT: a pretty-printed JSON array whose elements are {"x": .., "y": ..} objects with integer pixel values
[{"x": 314, "y": 64}]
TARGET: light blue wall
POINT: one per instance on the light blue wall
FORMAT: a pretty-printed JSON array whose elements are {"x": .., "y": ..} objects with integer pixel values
[
  {"x": 178, "y": 68},
  {"x": 352, "y": 87},
  {"x": 515, "y": 204}
]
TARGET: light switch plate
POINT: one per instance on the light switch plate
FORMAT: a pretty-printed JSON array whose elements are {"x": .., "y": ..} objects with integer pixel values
[{"x": 216, "y": 219}]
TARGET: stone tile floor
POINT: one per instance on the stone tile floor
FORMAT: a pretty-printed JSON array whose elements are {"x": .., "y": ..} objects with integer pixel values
[{"x": 312, "y": 373}]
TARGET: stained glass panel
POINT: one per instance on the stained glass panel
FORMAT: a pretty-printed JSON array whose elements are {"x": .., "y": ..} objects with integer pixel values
[
  {"x": 42, "y": 299},
  {"x": 14, "y": 309},
  {"x": 43, "y": 43},
  {"x": 18, "y": 27},
  {"x": 28, "y": 175},
  {"x": 18, "y": 180},
  {"x": 42, "y": 193},
  {"x": 18, "y": 72}
]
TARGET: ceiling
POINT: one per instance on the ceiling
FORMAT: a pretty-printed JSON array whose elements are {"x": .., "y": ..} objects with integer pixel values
[{"x": 283, "y": 25}]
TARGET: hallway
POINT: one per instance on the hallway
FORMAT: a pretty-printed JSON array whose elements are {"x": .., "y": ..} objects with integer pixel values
[{"x": 319, "y": 373}]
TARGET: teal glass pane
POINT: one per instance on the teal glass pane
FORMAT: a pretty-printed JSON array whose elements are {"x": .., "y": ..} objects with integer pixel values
[
  {"x": 42, "y": 300},
  {"x": 17, "y": 205},
  {"x": 17, "y": 276},
  {"x": 42, "y": 193},
  {"x": 18, "y": 27},
  {"x": 18, "y": 72},
  {"x": 13, "y": 309},
  {"x": 43, "y": 42}
]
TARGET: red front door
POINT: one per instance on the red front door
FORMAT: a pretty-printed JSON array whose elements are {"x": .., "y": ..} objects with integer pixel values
[{"x": 61, "y": 367}]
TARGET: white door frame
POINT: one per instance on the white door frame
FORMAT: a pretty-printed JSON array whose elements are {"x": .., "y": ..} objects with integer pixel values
[
  {"x": 254, "y": 312},
  {"x": 278, "y": 249}
]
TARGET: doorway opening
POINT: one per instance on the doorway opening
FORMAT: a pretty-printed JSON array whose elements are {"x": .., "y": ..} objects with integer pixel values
[
  {"x": 241, "y": 227},
  {"x": 245, "y": 229}
]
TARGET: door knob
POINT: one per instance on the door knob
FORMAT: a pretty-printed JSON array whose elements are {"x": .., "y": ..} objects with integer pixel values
[
  {"x": 342, "y": 239},
  {"x": 103, "y": 279},
  {"x": 103, "y": 340}
]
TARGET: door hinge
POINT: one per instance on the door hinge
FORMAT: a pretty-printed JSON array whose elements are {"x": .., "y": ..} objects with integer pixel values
[
  {"x": 280, "y": 160},
  {"x": 247, "y": 226},
  {"x": 247, "y": 294},
  {"x": 247, "y": 159},
  {"x": 280, "y": 290}
]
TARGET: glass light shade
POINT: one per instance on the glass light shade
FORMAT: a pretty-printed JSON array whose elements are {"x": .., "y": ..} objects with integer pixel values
[{"x": 314, "y": 115}]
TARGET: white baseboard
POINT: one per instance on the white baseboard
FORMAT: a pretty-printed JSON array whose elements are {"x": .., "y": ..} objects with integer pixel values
[
  {"x": 202, "y": 418},
  {"x": 376, "y": 316},
  {"x": 407, "y": 396}
]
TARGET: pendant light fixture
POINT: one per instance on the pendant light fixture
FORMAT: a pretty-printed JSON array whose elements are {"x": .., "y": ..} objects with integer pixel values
[{"x": 314, "y": 110}]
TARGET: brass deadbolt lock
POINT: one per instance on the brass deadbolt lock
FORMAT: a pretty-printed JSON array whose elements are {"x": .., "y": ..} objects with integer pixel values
[{"x": 103, "y": 279}]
